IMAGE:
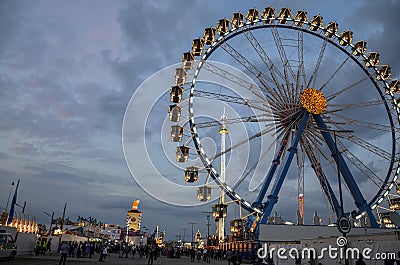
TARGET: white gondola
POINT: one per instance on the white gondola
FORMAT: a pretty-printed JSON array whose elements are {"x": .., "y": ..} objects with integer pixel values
[
  {"x": 331, "y": 29},
  {"x": 395, "y": 204},
  {"x": 175, "y": 93},
  {"x": 237, "y": 20},
  {"x": 209, "y": 35},
  {"x": 316, "y": 22},
  {"x": 219, "y": 210},
  {"x": 176, "y": 133},
  {"x": 203, "y": 193},
  {"x": 269, "y": 13},
  {"x": 223, "y": 26},
  {"x": 191, "y": 174},
  {"x": 252, "y": 15},
  {"x": 394, "y": 86},
  {"x": 360, "y": 47},
  {"x": 236, "y": 226},
  {"x": 373, "y": 59},
  {"x": 385, "y": 218},
  {"x": 197, "y": 46},
  {"x": 182, "y": 153},
  {"x": 180, "y": 76},
  {"x": 284, "y": 14},
  {"x": 174, "y": 112},
  {"x": 187, "y": 60},
  {"x": 346, "y": 38},
  {"x": 384, "y": 72},
  {"x": 301, "y": 16}
]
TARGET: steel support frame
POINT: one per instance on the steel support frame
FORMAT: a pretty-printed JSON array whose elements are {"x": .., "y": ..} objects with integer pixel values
[
  {"x": 273, "y": 197},
  {"x": 359, "y": 200}
]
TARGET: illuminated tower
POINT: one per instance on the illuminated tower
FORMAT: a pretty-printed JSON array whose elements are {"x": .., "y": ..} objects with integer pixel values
[
  {"x": 221, "y": 220},
  {"x": 134, "y": 217}
]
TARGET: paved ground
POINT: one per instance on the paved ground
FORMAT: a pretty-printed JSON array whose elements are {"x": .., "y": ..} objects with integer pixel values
[{"x": 112, "y": 259}]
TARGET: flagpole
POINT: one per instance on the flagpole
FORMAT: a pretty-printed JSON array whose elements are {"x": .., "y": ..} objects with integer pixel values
[
  {"x": 12, "y": 207},
  {"x": 63, "y": 216}
]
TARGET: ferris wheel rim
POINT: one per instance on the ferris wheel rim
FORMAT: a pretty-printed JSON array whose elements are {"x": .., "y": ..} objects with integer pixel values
[{"x": 267, "y": 23}]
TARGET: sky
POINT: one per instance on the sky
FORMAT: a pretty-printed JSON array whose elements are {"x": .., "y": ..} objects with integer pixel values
[{"x": 68, "y": 70}]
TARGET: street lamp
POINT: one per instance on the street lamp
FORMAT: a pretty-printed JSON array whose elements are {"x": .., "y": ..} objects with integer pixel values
[
  {"x": 184, "y": 233},
  {"x": 208, "y": 226}
]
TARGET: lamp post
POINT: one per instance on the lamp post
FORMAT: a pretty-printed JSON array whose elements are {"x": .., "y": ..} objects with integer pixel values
[
  {"x": 184, "y": 233},
  {"x": 208, "y": 226},
  {"x": 192, "y": 223}
]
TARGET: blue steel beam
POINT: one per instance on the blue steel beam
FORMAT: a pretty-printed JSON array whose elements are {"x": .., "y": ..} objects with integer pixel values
[
  {"x": 267, "y": 182},
  {"x": 271, "y": 171},
  {"x": 273, "y": 198},
  {"x": 359, "y": 200}
]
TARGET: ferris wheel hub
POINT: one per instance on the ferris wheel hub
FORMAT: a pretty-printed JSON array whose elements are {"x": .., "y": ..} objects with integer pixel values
[{"x": 313, "y": 101}]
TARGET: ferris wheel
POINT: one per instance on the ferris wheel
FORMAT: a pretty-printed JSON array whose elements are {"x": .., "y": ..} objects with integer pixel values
[{"x": 318, "y": 110}]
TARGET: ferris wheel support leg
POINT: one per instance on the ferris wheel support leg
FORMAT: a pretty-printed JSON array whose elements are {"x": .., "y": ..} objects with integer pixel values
[
  {"x": 360, "y": 202},
  {"x": 258, "y": 203},
  {"x": 273, "y": 198},
  {"x": 271, "y": 172}
]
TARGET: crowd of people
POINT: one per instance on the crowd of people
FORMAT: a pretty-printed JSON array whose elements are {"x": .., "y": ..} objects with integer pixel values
[
  {"x": 43, "y": 246},
  {"x": 149, "y": 252}
]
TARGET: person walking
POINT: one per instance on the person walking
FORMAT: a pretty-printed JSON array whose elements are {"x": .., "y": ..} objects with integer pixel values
[
  {"x": 151, "y": 256},
  {"x": 49, "y": 246},
  {"x": 229, "y": 256},
  {"x": 64, "y": 252},
  {"x": 192, "y": 253}
]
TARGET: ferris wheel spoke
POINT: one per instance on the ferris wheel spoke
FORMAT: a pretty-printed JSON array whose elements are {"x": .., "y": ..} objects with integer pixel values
[
  {"x": 364, "y": 124},
  {"x": 317, "y": 141},
  {"x": 369, "y": 147},
  {"x": 256, "y": 104},
  {"x": 269, "y": 129},
  {"x": 255, "y": 89},
  {"x": 362, "y": 167},
  {"x": 317, "y": 65},
  {"x": 287, "y": 69},
  {"x": 301, "y": 72},
  {"x": 250, "y": 119},
  {"x": 341, "y": 107},
  {"x": 252, "y": 69},
  {"x": 265, "y": 58},
  {"x": 362, "y": 143},
  {"x": 266, "y": 151},
  {"x": 334, "y": 73},
  {"x": 337, "y": 93},
  {"x": 326, "y": 187},
  {"x": 271, "y": 172}
]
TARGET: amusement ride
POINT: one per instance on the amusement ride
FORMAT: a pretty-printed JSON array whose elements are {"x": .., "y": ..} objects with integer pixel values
[{"x": 327, "y": 105}]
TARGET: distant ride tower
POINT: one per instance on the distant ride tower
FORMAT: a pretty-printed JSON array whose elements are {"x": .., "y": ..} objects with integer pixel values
[{"x": 221, "y": 220}]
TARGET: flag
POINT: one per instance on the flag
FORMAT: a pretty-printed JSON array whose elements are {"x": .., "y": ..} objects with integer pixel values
[
  {"x": 12, "y": 208},
  {"x": 135, "y": 205},
  {"x": 155, "y": 234}
]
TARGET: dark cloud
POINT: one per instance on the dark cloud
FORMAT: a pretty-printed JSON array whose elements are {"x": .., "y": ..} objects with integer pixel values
[{"x": 377, "y": 23}]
